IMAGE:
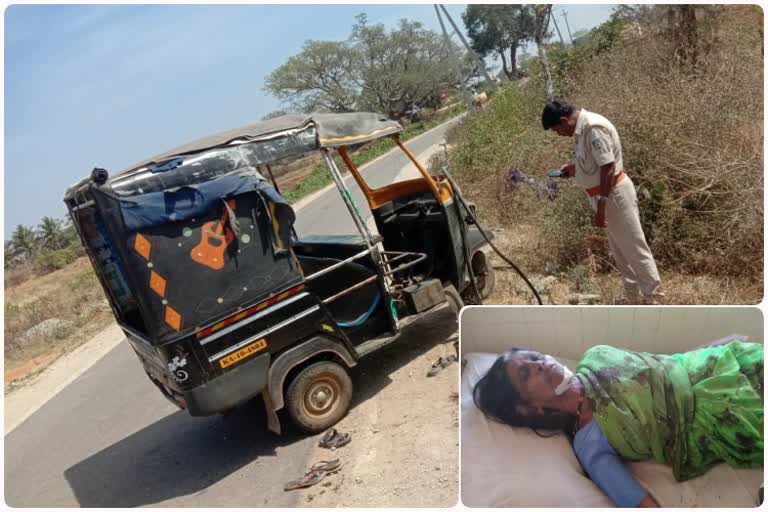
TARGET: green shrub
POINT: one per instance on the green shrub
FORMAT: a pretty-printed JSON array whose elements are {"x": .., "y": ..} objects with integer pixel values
[
  {"x": 48, "y": 261},
  {"x": 567, "y": 63}
]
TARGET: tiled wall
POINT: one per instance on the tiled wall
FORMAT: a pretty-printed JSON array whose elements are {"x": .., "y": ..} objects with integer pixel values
[{"x": 568, "y": 331}]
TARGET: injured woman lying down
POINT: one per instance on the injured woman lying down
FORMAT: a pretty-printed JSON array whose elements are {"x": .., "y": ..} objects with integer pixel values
[{"x": 690, "y": 411}]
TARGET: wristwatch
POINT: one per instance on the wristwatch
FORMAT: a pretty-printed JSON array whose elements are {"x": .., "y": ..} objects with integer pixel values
[{"x": 601, "y": 198}]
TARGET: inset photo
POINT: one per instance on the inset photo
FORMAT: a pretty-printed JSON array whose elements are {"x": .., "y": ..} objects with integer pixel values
[{"x": 611, "y": 406}]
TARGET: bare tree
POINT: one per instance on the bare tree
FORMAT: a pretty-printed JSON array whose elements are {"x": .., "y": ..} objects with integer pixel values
[{"x": 543, "y": 13}]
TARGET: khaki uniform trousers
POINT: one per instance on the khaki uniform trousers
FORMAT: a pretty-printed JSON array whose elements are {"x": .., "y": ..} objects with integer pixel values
[{"x": 628, "y": 246}]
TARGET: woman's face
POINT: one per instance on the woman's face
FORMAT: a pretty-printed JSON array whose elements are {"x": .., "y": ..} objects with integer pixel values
[{"x": 535, "y": 376}]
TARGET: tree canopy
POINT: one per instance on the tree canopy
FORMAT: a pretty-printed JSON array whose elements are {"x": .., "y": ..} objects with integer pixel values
[
  {"x": 24, "y": 241},
  {"x": 500, "y": 29},
  {"x": 374, "y": 69}
]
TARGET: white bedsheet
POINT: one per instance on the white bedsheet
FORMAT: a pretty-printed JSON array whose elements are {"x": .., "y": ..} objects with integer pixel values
[{"x": 513, "y": 467}]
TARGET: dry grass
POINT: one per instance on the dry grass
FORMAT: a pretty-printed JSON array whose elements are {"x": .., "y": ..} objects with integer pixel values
[
  {"x": 72, "y": 294},
  {"x": 596, "y": 275},
  {"x": 693, "y": 142},
  {"x": 693, "y": 145},
  {"x": 16, "y": 275}
]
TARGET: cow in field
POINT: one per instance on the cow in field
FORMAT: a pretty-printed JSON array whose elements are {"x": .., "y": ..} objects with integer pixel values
[{"x": 479, "y": 101}]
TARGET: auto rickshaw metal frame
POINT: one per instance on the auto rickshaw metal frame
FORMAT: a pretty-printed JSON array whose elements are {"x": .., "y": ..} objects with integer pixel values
[{"x": 273, "y": 337}]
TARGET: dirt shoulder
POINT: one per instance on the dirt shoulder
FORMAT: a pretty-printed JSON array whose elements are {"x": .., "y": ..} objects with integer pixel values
[
  {"x": 42, "y": 383},
  {"x": 596, "y": 281},
  {"x": 404, "y": 427}
]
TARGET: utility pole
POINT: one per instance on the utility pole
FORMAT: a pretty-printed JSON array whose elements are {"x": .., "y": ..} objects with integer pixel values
[
  {"x": 471, "y": 52},
  {"x": 570, "y": 36},
  {"x": 460, "y": 75},
  {"x": 543, "y": 15},
  {"x": 558, "y": 31}
]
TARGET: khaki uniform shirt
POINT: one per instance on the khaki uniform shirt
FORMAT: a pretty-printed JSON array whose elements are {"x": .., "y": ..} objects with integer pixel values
[{"x": 597, "y": 144}]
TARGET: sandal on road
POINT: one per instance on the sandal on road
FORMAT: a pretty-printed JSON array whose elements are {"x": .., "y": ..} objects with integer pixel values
[
  {"x": 436, "y": 368},
  {"x": 334, "y": 439},
  {"x": 308, "y": 480},
  {"x": 327, "y": 439},
  {"x": 315, "y": 475},
  {"x": 328, "y": 466},
  {"x": 341, "y": 440},
  {"x": 440, "y": 364}
]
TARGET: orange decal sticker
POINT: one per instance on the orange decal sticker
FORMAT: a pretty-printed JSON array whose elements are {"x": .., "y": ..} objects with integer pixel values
[
  {"x": 157, "y": 283},
  {"x": 142, "y": 246},
  {"x": 215, "y": 238},
  {"x": 172, "y": 318}
]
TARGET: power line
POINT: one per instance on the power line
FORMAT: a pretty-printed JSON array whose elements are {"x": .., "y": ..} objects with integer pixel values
[
  {"x": 565, "y": 16},
  {"x": 471, "y": 52},
  {"x": 558, "y": 31},
  {"x": 458, "y": 68}
]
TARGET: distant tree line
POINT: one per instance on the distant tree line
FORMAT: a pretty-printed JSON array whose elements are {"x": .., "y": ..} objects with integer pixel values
[{"x": 53, "y": 244}]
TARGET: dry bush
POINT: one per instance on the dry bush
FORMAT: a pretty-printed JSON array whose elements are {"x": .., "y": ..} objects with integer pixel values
[
  {"x": 16, "y": 275},
  {"x": 692, "y": 141},
  {"x": 78, "y": 299},
  {"x": 509, "y": 135},
  {"x": 18, "y": 319}
]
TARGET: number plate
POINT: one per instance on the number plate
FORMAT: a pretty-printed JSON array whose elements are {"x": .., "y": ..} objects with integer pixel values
[{"x": 247, "y": 351}]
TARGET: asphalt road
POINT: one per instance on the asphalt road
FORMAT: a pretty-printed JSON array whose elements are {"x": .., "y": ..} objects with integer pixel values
[{"x": 110, "y": 439}]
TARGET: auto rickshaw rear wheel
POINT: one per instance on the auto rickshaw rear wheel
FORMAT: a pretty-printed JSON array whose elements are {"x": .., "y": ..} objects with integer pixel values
[{"x": 319, "y": 396}]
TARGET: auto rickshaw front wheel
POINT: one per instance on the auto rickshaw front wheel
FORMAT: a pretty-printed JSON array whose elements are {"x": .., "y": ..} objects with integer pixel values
[
  {"x": 485, "y": 275},
  {"x": 319, "y": 396}
]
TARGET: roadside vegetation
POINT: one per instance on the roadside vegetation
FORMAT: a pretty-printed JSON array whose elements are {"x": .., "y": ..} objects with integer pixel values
[
  {"x": 372, "y": 70},
  {"x": 52, "y": 297},
  {"x": 684, "y": 87}
]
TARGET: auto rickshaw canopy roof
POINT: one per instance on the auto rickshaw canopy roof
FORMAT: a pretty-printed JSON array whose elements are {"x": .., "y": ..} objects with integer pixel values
[
  {"x": 290, "y": 134},
  {"x": 244, "y": 150}
]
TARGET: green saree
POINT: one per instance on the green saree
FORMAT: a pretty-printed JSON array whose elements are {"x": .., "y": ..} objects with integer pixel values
[{"x": 691, "y": 410}]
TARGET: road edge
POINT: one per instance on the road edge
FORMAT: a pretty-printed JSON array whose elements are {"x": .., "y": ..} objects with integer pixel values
[{"x": 33, "y": 395}]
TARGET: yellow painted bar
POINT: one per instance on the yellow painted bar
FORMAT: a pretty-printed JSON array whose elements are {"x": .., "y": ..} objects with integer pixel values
[
  {"x": 356, "y": 174},
  {"x": 424, "y": 173}
]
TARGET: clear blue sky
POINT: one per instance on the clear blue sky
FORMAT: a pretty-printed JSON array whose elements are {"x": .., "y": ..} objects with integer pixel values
[{"x": 106, "y": 86}]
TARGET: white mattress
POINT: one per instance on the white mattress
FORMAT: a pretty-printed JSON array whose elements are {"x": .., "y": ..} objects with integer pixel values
[{"x": 503, "y": 466}]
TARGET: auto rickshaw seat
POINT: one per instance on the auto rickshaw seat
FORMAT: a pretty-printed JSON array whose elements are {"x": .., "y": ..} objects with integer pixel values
[
  {"x": 326, "y": 242},
  {"x": 352, "y": 309}
]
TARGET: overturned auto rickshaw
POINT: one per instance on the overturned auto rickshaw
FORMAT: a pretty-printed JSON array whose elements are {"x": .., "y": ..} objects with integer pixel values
[{"x": 221, "y": 300}]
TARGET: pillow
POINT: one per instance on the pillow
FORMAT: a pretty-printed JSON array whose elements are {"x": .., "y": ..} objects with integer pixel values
[
  {"x": 513, "y": 467},
  {"x": 503, "y": 466}
]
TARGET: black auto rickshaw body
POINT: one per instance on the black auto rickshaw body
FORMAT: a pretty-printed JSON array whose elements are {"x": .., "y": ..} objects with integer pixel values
[{"x": 219, "y": 298}]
